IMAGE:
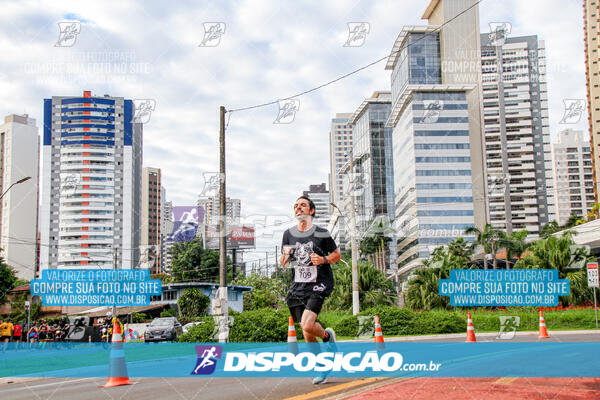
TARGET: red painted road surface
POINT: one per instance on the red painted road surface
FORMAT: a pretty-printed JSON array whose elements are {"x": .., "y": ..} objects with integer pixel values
[{"x": 488, "y": 389}]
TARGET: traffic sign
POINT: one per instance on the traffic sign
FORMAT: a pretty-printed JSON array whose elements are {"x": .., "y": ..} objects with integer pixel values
[{"x": 592, "y": 275}]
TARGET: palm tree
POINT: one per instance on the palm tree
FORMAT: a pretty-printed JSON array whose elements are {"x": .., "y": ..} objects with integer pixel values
[
  {"x": 515, "y": 245},
  {"x": 489, "y": 239},
  {"x": 549, "y": 229},
  {"x": 422, "y": 293},
  {"x": 459, "y": 247}
]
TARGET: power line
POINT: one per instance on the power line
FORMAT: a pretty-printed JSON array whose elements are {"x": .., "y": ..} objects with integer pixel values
[{"x": 356, "y": 70}]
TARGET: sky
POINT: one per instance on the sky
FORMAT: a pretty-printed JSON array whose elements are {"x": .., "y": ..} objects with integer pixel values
[{"x": 269, "y": 50}]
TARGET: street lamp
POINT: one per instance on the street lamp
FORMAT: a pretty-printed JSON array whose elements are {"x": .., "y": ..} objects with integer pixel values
[
  {"x": 15, "y": 183},
  {"x": 355, "y": 298}
]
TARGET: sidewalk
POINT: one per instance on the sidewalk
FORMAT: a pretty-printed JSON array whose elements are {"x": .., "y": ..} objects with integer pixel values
[
  {"x": 487, "y": 335},
  {"x": 485, "y": 388}
]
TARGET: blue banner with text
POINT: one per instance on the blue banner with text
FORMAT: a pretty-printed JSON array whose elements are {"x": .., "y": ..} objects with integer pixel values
[
  {"x": 96, "y": 287},
  {"x": 515, "y": 287}
]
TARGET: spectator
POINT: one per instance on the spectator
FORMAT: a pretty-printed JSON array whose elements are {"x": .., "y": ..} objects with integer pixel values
[
  {"x": 17, "y": 332},
  {"x": 43, "y": 331},
  {"x": 33, "y": 333},
  {"x": 6, "y": 329}
]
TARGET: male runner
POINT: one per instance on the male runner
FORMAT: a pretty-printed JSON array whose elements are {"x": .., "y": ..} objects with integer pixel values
[{"x": 310, "y": 249}]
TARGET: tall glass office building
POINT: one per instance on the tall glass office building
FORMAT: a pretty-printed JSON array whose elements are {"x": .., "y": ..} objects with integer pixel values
[
  {"x": 372, "y": 150},
  {"x": 437, "y": 150}
]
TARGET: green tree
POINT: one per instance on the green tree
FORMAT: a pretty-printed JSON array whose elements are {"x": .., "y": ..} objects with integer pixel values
[
  {"x": 7, "y": 280},
  {"x": 373, "y": 287},
  {"x": 559, "y": 253},
  {"x": 267, "y": 292},
  {"x": 549, "y": 229},
  {"x": 422, "y": 292},
  {"x": 191, "y": 261},
  {"x": 515, "y": 245},
  {"x": 459, "y": 247},
  {"x": 490, "y": 239},
  {"x": 193, "y": 303}
]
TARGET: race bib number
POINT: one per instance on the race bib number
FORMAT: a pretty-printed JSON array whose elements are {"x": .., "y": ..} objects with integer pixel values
[{"x": 305, "y": 274}]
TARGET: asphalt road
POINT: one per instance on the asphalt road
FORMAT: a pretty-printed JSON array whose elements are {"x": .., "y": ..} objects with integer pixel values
[{"x": 234, "y": 388}]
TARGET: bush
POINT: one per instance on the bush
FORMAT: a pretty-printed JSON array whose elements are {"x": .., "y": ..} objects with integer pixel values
[
  {"x": 193, "y": 303},
  {"x": 138, "y": 318},
  {"x": 168, "y": 313},
  {"x": 347, "y": 326},
  {"x": 393, "y": 320},
  {"x": 264, "y": 325},
  {"x": 437, "y": 322},
  {"x": 203, "y": 332}
]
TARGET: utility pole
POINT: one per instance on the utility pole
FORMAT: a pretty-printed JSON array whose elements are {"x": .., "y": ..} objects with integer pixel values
[
  {"x": 267, "y": 261},
  {"x": 276, "y": 262},
  {"x": 355, "y": 300},
  {"x": 114, "y": 308},
  {"x": 222, "y": 309}
]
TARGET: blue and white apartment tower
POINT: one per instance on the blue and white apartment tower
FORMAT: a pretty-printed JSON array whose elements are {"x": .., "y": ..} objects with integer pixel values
[
  {"x": 91, "y": 183},
  {"x": 437, "y": 133}
]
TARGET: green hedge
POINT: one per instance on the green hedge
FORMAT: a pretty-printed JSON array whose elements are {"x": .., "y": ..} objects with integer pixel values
[
  {"x": 397, "y": 322},
  {"x": 270, "y": 325}
]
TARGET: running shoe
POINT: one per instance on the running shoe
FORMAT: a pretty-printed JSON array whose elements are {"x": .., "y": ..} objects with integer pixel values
[{"x": 331, "y": 342}]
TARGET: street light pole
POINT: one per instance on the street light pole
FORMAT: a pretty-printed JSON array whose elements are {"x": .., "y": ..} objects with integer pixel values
[
  {"x": 15, "y": 183},
  {"x": 354, "y": 247},
  {"x": 355, "y": 299}
]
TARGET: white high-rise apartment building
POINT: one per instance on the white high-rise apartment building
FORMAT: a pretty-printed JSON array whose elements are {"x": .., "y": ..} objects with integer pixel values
[
  {"x": 517, "y": 135},
  {"x": 92, "y": 183},
  {"x": 212, "y": 211},
  {"x": 320, "y": 197},
  {"x": 573, "y": 172},
  {"x": 19, "y": 158},
  {"x": 340, "y": 146}
]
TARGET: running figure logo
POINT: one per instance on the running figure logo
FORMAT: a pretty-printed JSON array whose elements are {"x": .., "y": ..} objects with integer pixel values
[
  {"x": 207, "y": 359},
  {"x": 508, "y": 327}
]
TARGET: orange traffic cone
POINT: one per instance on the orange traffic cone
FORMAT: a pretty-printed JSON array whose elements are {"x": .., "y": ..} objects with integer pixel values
[
  {"x": 292, "y": 339},
  {"x": 379, "y": 344},
  {"x": 543, "y": 331},
  {"x": 470, "y": 330},
  {"x": 117, "y": 370}
]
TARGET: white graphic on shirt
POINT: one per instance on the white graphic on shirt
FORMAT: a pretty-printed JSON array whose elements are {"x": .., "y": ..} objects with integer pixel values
[
  {"x": 303, "y": 252},
  {"x": 304, "y": 270}
]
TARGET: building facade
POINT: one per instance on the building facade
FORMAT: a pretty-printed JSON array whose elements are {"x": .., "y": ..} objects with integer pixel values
[
  {"x": 320, "y": 196},
  {"x": 167, "y": 226},
  {"x": 340, "y": 146},
  {"x": 437, "y": 132},
  {"x": 19, "y": 158},
  {"x": 373, "y": 164},
  {"x": 212, "y": 210},
  {"x": 517, "y": 135},
  {"x": 92, "y": 183},
  {"x": 151, "y": 220},
  {"x": 591, "y": 10},
  {"x": 574, "y": 189}
]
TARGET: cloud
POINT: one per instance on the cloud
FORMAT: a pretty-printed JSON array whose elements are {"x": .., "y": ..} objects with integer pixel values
[{"x": 270, "y": 50}]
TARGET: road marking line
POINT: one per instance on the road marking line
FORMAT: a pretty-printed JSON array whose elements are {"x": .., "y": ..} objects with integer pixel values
[
  {"x": 43, "y": 385},
  {"x": 336, "y": 388},
  {"x": 507, "y": 380}
]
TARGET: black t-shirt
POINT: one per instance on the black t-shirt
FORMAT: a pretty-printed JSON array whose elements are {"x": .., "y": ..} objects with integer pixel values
[{"x": 315, "y": 240}]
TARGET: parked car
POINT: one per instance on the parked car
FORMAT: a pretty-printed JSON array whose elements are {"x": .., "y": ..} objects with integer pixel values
[
  {"x": 187, "y": 327},
  {"x": 161, "y": 329}
]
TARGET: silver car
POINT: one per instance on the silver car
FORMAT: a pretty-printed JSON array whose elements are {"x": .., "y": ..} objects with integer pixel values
[{"x": 161, "y": 329}]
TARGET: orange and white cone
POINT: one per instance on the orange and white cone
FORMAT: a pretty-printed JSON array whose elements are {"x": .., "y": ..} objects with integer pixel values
[
  {"x": 292, "y": 340},
  {"x": 470, "y": 330},
  {"x": 117, "y": 370},
  {"x": 379, "y": 344},
  {"x": 543, "y": 331}
]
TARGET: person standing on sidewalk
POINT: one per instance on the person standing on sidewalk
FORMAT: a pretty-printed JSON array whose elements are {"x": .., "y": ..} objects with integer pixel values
[
  {"x": 6, "y": 329},
  {"x": 310, "y": 250}
]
